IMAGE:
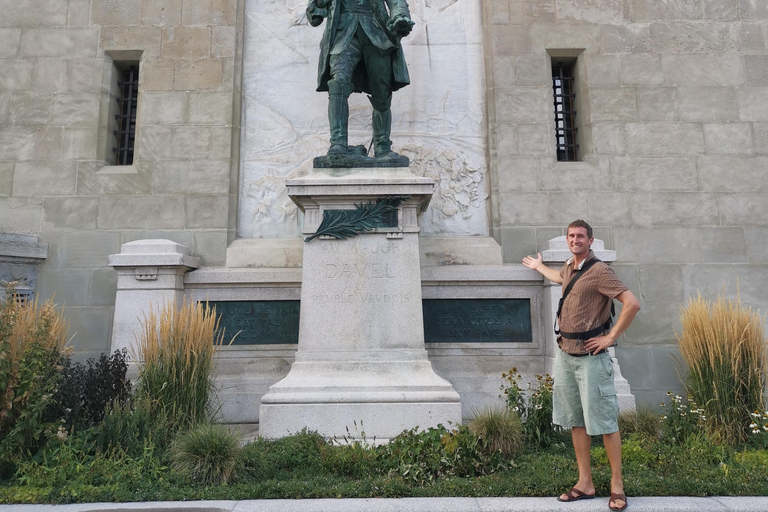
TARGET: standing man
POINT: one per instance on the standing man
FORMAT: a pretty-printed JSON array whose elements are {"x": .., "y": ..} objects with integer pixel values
[
  {"x": 360, "y": 52},
  {"x": 584, "y": 397}
]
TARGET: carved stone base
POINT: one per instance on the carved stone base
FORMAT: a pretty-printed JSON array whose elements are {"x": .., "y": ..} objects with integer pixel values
[{"x": 361, "y": 352}]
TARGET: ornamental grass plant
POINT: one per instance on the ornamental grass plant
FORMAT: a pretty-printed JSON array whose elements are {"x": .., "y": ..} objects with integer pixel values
[
  {"x": 208, "y": 453},
  {"x": 177, "y": 352},
  {"x": 501, "y": 429},
  {"x": 724, "y": 348}
]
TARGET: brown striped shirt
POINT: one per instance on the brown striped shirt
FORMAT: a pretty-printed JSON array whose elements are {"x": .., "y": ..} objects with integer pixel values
[{"x": 588, "y": 305}]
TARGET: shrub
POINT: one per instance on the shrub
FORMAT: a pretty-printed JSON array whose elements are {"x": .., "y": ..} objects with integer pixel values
[
  {"x": 209, "y": 453},
  {"x": 641, "y": 421},
  {"x": 32, "y": 340},
  {"x": 501, "y": 429},
  {"x": 293, "y": 453},
  {"x": 86, "y": 390},
  {"x": 76, "y": 461},
  {"x": 534, "y": 405},
  {"x": 424, "y": 456},
  {"x": 177, "y": 358},
  {"x": 723, "y": 346}
]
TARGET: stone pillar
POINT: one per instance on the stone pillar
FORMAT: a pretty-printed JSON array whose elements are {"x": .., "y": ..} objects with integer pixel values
[
  {"x": 150, "y": 273},
  {"x": 361, "y": 362},
  {"x": 555, "y": 256}
]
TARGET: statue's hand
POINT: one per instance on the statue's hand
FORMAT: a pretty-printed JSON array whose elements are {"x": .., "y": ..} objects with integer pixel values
[
  {"x": 316, "y": 13},
  {"x": 400, "y": 26}
]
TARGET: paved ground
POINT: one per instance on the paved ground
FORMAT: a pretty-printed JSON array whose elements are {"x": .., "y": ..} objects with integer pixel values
[{"x": 674, "y": 504}]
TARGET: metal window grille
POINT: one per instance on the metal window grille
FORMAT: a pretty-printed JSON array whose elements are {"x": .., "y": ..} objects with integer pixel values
[
  {"x": 125, "y": 135},
  {"x": 565, "y": 112}
]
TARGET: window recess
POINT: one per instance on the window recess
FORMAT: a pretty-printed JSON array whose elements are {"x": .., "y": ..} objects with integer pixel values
[{"x": 564, "y": 95}]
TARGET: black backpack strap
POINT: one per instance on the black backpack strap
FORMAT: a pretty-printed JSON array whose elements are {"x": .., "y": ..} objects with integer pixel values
[{"x": 587, "y": 265}]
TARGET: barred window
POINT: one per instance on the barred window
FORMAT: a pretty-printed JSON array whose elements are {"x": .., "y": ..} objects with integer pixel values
[
  {"x": 125, "y": 117},
  {"x": 564, "y": 94}
]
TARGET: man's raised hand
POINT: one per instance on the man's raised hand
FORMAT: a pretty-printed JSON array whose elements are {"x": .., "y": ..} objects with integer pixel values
[{"x": 531, "y": 262}]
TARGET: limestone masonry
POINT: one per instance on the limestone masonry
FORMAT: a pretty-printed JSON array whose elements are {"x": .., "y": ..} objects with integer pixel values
[{"x": 671, "y": 103}]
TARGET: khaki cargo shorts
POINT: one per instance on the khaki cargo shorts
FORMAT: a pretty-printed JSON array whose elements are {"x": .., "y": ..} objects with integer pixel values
[{"x": 584, "y": 394}]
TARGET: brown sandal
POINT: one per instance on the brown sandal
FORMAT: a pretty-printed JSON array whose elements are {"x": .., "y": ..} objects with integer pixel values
[
  {"x": 614, "y": 498},
  {"x": 575, "y": 495}
]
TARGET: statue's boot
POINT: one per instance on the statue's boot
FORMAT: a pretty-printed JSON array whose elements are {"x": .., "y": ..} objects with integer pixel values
[
  {"x": 382, "y": 126},
  {"x": 338, "y": 114}
]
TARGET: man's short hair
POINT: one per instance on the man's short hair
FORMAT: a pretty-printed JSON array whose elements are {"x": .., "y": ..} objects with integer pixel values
[{"x": 580, "y": 224}]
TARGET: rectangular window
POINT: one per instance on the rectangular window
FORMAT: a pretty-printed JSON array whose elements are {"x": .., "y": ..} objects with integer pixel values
[
  {"x": 125, "y": 116},
  {"x": 564, "y": 94}
]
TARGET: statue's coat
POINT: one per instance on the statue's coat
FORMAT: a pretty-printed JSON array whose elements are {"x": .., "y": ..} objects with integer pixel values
[{"x": 374, "y": 27}]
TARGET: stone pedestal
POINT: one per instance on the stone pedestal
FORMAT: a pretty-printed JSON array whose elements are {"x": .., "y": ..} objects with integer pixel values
[
  {"x": 150, "y": 273},
  {"x": 556, "y": 254},
  {"x": 361, "y": 364}
]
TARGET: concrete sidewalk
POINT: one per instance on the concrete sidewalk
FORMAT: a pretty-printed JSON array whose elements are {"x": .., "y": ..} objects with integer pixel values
[{"x": 636, "y": 504}]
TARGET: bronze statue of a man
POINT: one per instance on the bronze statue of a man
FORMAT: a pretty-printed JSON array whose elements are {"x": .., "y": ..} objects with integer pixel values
[{"x": 360, "y": 52}]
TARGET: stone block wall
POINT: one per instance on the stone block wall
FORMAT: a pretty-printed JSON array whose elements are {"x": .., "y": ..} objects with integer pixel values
[
  {"x": 674, "y": 141},
  {"x": 55, "y": 180}
]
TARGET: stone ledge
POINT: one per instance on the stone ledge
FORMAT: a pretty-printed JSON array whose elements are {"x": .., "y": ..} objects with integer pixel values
[
  {"x": 245, "y": 276},
  {"x": 153, "y": 253},
  {"x": 22, "y": 248},
  {"x": 500, "y": 274}
]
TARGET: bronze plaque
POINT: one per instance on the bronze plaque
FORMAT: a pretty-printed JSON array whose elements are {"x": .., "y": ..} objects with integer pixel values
[
  {"x": 259, "y": 322},
  {"x": 477, "y": 321}
]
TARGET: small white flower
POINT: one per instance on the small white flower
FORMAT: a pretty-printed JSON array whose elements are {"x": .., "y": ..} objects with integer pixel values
[
  {"x": 756, "y": 431},
  {"x": 538, "y": 406},
  {"x": 61, "y": 434},
  {"x": 755, "y": 414},
  {"x": 752, "y": 425}
]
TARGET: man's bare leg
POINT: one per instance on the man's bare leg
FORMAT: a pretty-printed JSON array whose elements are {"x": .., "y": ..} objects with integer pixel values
[
  {"x": 581, "y": 445},
  {"x": 612, "y": 444}
]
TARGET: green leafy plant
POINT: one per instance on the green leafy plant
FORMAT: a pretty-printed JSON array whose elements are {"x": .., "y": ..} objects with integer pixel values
[
  {"x": 533, "y": 404},
  {"x": 343, "y": 224},
  {"x": 176, "y": 354},
  {"x": 209, "y": 453},
  {"x": 682, "y": 418},
  {"x": 423, "y": 456},
  {"x": 501, "y": 429},
  {"x": 723, "y": 346},
  {"x": 132, "y": 426},
  {"x": 269, "y": 457},
  {"x": 32, "y": 345},
  {"x": 76, "y": 462}
]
